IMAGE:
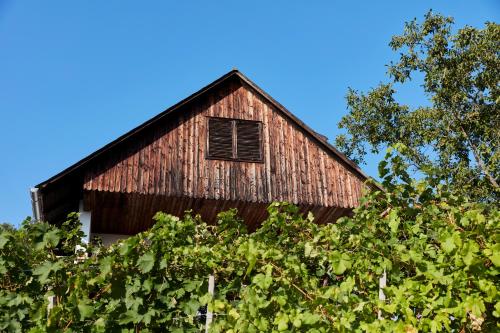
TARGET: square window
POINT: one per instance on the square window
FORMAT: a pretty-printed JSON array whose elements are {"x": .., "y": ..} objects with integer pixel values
[{"x": 234, "y": 139}]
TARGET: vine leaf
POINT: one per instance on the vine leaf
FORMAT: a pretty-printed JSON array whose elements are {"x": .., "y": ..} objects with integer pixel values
[
  {"x": 340, "y": 262},
  {"x": 394, "y": 221},
  {"x": 146, "y": 262},
  {"x": 448, "y": 245},
  {"x": 85, "y": 310},
  {"x": 44, "y": 270}
]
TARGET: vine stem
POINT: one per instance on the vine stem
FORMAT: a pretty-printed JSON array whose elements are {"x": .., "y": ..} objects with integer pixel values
[
  {"x": 102, "y": 291},
  {"x": 67, "y": 325},
  {"x": 303, "y": 292}
]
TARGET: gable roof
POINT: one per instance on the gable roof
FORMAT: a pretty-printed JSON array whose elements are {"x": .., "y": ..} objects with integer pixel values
[{"x": 321, "y": 140}]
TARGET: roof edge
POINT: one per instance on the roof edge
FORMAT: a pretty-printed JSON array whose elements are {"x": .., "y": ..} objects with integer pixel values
[
  {"x": 72, "y": 168},
  {"x": 135, "y": 130},
  {"x": 320, "y": 138}
]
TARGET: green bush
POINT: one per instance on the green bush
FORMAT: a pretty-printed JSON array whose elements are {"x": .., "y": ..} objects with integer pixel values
[{"x": 441, "y": 254}]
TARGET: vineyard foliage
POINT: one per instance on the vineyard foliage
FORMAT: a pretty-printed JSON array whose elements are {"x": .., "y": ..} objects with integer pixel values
[{"x": 441, "y": 254}]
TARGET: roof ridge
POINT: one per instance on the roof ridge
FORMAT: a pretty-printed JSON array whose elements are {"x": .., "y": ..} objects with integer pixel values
[{"x": 72, "y": 168}]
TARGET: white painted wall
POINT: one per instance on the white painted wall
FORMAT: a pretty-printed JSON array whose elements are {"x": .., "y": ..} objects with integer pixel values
[
  {"x": 109, "y": 239},
  {"x": 85, "y": 220}
]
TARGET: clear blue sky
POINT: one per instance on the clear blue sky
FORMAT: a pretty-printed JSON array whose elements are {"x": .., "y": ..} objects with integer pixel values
[{"x": 74, "y": 75}]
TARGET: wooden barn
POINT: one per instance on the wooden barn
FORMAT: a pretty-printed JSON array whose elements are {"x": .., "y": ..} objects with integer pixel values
[{"x": 228, "y": 145}]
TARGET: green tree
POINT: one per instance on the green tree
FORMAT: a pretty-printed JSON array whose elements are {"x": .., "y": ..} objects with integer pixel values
[{"x": 454, "y": 135}]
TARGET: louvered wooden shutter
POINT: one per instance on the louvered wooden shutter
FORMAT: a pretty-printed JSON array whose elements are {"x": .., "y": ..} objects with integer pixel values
[
  {"x": 248, "y": 140},
  {"x": 220, "y": 138}
]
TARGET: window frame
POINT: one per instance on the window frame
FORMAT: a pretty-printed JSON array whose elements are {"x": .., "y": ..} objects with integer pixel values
[{"x": 234, "y": 140}]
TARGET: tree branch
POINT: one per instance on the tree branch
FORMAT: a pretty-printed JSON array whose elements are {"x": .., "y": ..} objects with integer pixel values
[{"x": 478, "y": 158}]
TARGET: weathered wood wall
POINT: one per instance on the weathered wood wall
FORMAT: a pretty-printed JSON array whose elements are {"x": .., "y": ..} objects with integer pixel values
[{"x": 170, "y": 160}]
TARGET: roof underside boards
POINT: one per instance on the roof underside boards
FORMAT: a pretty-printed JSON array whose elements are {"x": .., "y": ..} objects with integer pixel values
[{"x": 130, "y": 213}]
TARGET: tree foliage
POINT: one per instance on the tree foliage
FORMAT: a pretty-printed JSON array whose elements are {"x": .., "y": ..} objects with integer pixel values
[
  {"x": 441, "y": 254},
  {"x": 456, "y": 133}
]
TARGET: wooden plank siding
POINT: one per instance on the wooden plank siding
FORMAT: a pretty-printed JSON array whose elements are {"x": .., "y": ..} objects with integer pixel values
[
  {"x": 170, "y": 160},
  {"x": 173, "y": 162},
  {"x": 163, "y": 165}
]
